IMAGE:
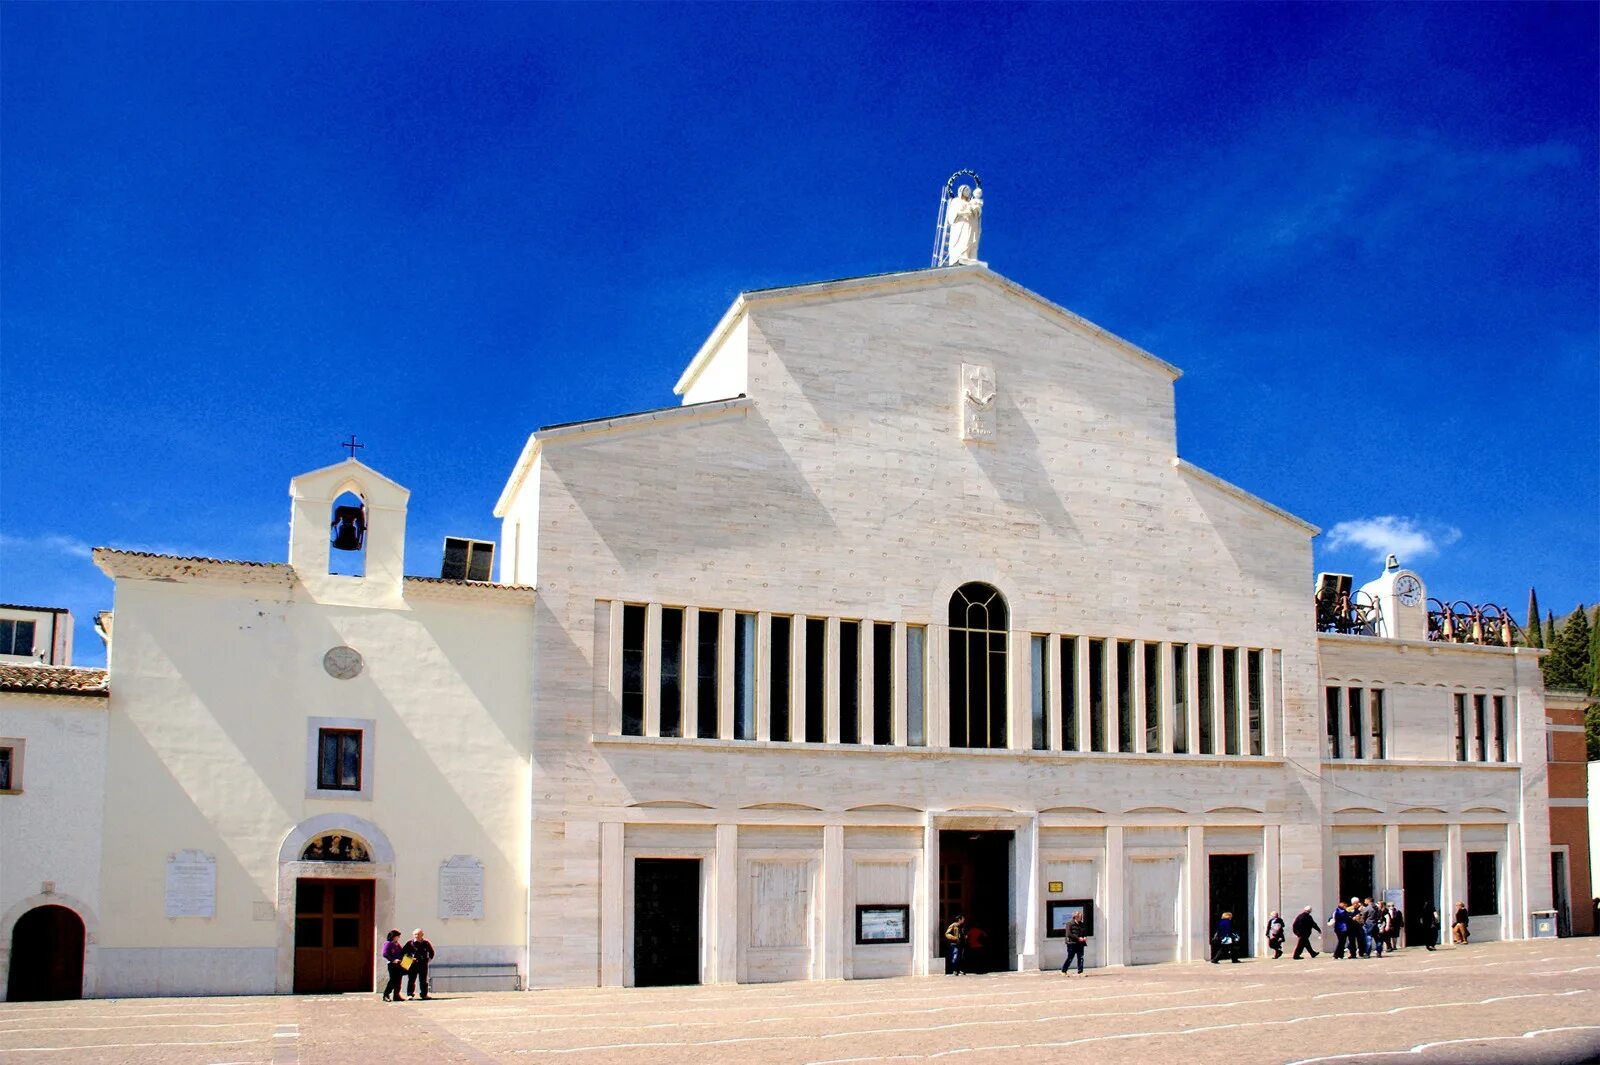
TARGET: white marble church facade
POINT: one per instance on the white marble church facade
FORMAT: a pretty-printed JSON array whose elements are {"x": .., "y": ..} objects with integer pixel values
[{"x": 912, "y": 607}]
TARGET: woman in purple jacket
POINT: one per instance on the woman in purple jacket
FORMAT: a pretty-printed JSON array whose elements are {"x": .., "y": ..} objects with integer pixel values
[{"x": 392, "y": 953}]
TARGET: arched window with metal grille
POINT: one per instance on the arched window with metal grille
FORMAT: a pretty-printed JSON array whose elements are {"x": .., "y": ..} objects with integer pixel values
[{"x": 978, "y": 621}]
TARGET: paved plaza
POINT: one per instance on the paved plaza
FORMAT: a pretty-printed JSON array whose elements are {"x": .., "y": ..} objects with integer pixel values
[{"x": 1525, "y": 1002}]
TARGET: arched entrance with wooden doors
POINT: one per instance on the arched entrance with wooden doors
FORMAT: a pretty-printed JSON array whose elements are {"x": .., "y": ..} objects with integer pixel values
[
  {"x": 335, "y": 898},
  {"x": 46, "y": 956}
]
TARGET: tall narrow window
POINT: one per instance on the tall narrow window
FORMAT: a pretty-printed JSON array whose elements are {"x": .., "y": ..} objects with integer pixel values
[
  {"x": 1335, "y": 741},
  {"x": 916, "y": 690},
  {"x": 1354, "y": 719},
  {"x": 708, "y": 666},
  {"x": 1180, "y": 698},
  {"x": 1479, "y": 719},
  {"x": 1152, "y": 698},
  {"x": 671, "y": 671},
  {"x": 1255, "y": 692},
  {"x": 1097, "y": 695},
  {"x": 978, "y": 619},
  {"x": 778, "y": 677},
  {"x": 849, "y": 682},
  {"x": 816, "y": 680},
  {"x": 1205, "y": 672},
  {"x": 1124, "y": 695},
  {"x": 882, "y": 683},
  {"x": 1069, "y": 693},
  {"x": 1483, "y": 883},
  {"x": 744, "y": 676},
  {"x": 632, "y": 670},
  {"x": 1500, "y": 728},
  {"x": 1041, "y": 692},
  {"x": 1461, "y": 727},
  {"x": 1230, "y": 699},
  {"x": 1380, "y": 739}
]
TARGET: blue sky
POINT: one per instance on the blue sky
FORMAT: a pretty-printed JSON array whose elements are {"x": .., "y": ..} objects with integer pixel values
[{"x": 234, "y": 234}]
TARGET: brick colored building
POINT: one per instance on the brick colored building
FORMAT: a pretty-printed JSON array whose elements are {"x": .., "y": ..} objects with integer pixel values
[{"x": 1569, "y": 811}]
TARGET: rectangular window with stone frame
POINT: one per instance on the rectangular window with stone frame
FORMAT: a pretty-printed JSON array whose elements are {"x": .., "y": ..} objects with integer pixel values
[
  {"x": 10, "y": 767},
  {"x": 339, "y": 759}
]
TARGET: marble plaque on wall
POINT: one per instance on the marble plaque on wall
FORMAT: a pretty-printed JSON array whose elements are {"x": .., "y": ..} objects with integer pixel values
[
  {"x": 461, "y": 887},
  {"x": 191, "y": 884},
  {"x": 977, "y": 402}
]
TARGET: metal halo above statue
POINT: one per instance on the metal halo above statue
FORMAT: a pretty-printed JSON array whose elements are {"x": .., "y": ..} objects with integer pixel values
[{"x": 958, "y": 224}]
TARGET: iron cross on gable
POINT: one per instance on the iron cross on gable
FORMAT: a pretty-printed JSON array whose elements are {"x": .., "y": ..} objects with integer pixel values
[{"x": 352, "y": 445}]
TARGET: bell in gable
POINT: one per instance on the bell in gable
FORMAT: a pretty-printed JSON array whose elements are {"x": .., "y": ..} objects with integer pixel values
[{"x": 349, "y": 528}]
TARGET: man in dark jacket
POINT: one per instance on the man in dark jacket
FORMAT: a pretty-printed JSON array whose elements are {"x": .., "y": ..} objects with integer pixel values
[
  {"x": 1303, "y": 926},
  {"x": 420, "y": 951},
  {"x": 1339, "y": 919},
  {"x": 1076, "y": 941}
]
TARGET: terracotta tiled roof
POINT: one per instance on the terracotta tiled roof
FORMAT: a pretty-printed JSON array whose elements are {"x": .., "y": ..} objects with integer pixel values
[
  {"x": 492, "y": 585},
  {"x": 54, "y": 680},
  {"x": 190, "y": 558}
]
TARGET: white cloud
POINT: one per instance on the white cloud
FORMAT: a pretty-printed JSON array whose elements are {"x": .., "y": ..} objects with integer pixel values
[
  {"x": 50, "y": 543},
  {"x": 1388, "y": 534}
]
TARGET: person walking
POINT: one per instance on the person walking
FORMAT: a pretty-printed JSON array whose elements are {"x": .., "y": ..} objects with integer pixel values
[
  {"x": 1275, "y": 934},
  {"x": 1380, "y": 929},
  {"x": 1304, "y": 925},
  {"x": 392, "y": 953},
  {"x": 1339, "y": 921},
  {"x": 1458, "y": 927},
  {"x": 954, "y": 936},
  {"x": 1432, "y": 925},
  {"x": 1076, "y": 942},
  {"x": 1225, "y": 941},
  {"x": 420, "y": 951},
  {"x": 1397, "y": 924}
]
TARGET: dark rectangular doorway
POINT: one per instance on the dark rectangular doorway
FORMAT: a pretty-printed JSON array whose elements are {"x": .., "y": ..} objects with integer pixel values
[
  {"x": 1419, "y": 875},
  {"x": 1230, "y": 893},
  {"x": 666, "y": 921},
  {"x": 1558, "y": 882},
  {"x": 975, "y": 882},
  {"x": 334, "y": 944}
]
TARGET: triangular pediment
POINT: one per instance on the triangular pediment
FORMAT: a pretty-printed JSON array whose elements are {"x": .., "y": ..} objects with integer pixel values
[{"x": 876, "y": 284}]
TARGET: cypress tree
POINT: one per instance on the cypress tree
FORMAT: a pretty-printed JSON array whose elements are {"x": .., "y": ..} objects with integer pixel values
[
  {"x": 1567, "y": 665},
  {"x": 1531, "y": 635},
  {"x": 1549, "y": 628},
  {"x": 1594, "y": 657}
]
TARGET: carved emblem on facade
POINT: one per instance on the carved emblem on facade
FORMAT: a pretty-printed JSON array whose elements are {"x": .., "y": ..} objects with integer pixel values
[{"x": 977, "y": 402}]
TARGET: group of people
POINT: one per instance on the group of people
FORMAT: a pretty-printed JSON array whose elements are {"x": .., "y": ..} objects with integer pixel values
[
  {"x": 1361, "y": 927},
  {"x": 966, "y": 947},
  {"x": 406, "y": 961}
]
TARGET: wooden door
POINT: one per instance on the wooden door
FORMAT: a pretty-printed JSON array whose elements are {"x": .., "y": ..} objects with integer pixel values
[{"x": 334, "y": 944}]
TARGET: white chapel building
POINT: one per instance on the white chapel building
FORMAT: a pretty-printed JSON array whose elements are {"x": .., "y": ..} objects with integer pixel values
[{"x": 910, "y": 609}]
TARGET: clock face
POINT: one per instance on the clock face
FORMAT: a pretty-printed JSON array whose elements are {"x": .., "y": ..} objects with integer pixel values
[
  {"x": 342, "y": 663},
  {"x": 1408, "y": 590}
]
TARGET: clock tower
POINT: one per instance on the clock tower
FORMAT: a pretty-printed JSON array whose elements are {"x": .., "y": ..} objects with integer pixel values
[{"x": 1402, "y": 602}]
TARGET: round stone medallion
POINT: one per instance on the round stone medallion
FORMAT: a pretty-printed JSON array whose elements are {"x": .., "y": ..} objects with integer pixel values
[{"x": 342, "y": 662}]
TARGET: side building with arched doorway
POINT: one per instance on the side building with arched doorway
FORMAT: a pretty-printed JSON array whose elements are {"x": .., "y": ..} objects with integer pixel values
[
  {"x": 53, "y": 724},
  {"x": 306, "y": 754}
]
